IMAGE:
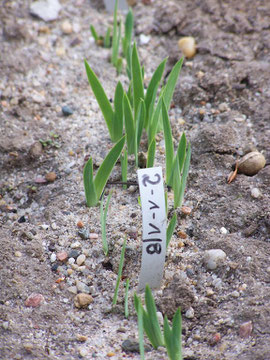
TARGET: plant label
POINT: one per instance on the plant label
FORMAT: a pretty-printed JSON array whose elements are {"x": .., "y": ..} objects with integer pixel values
[{"x": 154, "y": 227}]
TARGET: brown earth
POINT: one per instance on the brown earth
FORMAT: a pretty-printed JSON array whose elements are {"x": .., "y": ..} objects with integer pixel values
[{"x": 222, "y": 102}]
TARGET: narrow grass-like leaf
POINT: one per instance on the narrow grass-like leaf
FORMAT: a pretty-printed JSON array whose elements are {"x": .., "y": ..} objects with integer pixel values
[
  {"x": 173, "y": 336},
  {"x": 140, "y": 122},
  {"x": 137, "y": 129},
  {"x": 152, "y": 127},
  {"x": 140, "y": 327},
  {"x": 126, "y": 298},
  {"x": 169, "y": 151},
  {"x": 152, "y": 91},
  {"x": 128, "y": 32},
  {"x": 118, "y": 112},
  {"x": 179, "y": 157},
  {"x": 119, "y": 65},
  {"x": 89, "y": 187},
  {"x": 129, "y": 125},
  {"x": 103, "y": 218},
  {"x": 151, "y": 324},
  {"x": 106, "y": 167},
  {"x": 171, "y": 83},
  {"x": 184, "y": 176},
  {"x": 115, "y": 43},
  {"x": 151, "y": 154},
  {"x": 101, "y": 97},
  {"x": 176, "y": 184},
  {"x": 137, "y": 80},
  {"x": 94, "y": 33},
  {"x": 124, "y": 166},
  {"x": 107, "y": 39},
  {"x": 170, "y": 229},
  {"x": 122, "y": 257},
  {"x": 128, "y": 58}
]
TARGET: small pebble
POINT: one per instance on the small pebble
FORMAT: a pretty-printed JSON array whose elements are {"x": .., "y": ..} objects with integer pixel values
[
  {"x": 83, "y": 352},
  {"x": 66, "y": 27},
  {"x": 80, "y": 259},
  {"x": 81, "y": 338},
  {"x": 82, "y": 300},
  {"x": 67, "y": 111},
  {"x": 214, "y": 339},
  {"x": 189, "y": 313},
  {"x": 235, "y": 294},
  {"x": 93, "y": 236},
  {"x": 131, "y": 345},
  {"x": 5, "y": 325},
  {"x": 75, "y": 245},
  {"x": 181, "y": 234},
  {"x": 51, "y": 176},
  {"x": 110, "y": 354},
  {"x": 53, "y": 257},
  {"x": 82, "y": 287},
  {"x": 83, "y": 233},
  {"x": 71, "y": 261},
  {"x": 80, "y": 224},
  {"x": 245, "y": 329},
  {"x": 34, "y": 300},
  {"x": 62, "y": 256},
  {"x": 223, "y": 107},
  {"x": 72, "y": 289},
  {"x": 73, "y": 254},
  {"x": 223, "y": 230},
  {"x": 188, "y": 46},
  {"x": 214, "y": 258},
  {"x": 69, "y": 272},
  {"x": 255, "y": 193},
  {"x": 144, "y": 39},
  {"x": 185, "y": 210},
  {"x": 132, "y": 189},
  {"x": 18, "y": 254}
]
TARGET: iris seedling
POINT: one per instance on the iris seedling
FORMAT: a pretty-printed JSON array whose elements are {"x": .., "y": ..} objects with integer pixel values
[
  {"x": 99, "y": 39},
  {"x": 113, "y": 117},
  {"x": 116, "y": 39},
  {"x": 170, "y": 229},
  {"x": 171, "y": 337},
  {"x": 177, "y": 166},
  {"x": 126, "y": 41},
  {"x": 93, "y": 186},
  {"x": 126, "y": 298},
  {"x": 103, "y": 218},
  {"x": 122, "y": 257},
  {"x": 150, "y": 320}
]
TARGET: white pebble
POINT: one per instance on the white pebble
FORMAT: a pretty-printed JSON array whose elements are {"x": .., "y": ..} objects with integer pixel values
[
  {"x": 235, "y": 294},
  {"x": 189, "y": 313},
  {"x": 53, "y": 257},
  {"x": 71, "y": 261},
  {"x": 214, "y": 258},
  {"x": 223, "y": 230},
  {"x": 81, "y": 259},
  {"x": 83, "y": 352},
  {"x": 144, "y": 39},
  {"x": 255, "y": 193},
  {"x": 75, "y": 245}
]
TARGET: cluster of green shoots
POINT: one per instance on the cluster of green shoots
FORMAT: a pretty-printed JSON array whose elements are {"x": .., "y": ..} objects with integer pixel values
[
  {"x": 135, "y": 111},
  {"x": 114, "y": 41}
]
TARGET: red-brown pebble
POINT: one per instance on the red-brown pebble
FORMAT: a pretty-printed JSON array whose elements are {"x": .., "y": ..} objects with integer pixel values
[
  {"x": 34, "y": 300},
  {"x": 182, "y": 234},
  {"x": 214, "y": 339},
  {"x": 186, "y": 210},
  {"x": 51, "y": 176},
  {"x": 245, "y": 329},
  {"x": 80, "y": 224},
  {"x": 62, "y": 256}
]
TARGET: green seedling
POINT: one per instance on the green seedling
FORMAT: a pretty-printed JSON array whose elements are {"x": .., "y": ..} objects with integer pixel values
[
  {"x": 119, "y": 272},
  {"x": 151, "y": 154},
  {"x": 177, "y": 166},
  {"x": 173, "y": 336},
  {"x": 103, "y": 218},
  {"x": 124, "y": 166},
  {"x": 150, "y": 320},
  {"x": 93, "y": 186},
  {"x": 113, "y": 117},
  {"x": 116, "y": 36},
  {"x": 126, "y": 41},
  {"x": 126, "y": 298},
  {"x": 140, "y": 327},
  {"x": 101, "y": 40},
  {"x": 170, "y": 229}
]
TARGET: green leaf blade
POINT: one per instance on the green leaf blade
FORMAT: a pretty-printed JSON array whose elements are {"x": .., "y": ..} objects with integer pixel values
[
  {"x": 107, "y": 165},
  {"x": 170, "y": 229},
  {"x": 101, "y": 97},
  {"x": 151, "y": 154},
  {"x": 137, "y": 80},
  {"x": 118, "y": 112},
  {"x": 129, "y": 125},
  {"x": 89, "y": 186},
  {"x": 169, "y": 151},
  {"x": 171, "y": 82}
]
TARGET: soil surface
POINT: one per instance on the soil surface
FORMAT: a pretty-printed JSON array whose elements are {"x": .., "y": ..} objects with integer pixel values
[{"x": 222, "y": 102}]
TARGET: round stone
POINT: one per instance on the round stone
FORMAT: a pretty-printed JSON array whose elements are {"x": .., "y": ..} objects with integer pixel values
[
  {"x": 214, "y": 258},
  {"x": 81, "y": 259}
]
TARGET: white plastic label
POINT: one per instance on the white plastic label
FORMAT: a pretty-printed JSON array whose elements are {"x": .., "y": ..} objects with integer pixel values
[{"x": 154, "y": 227}]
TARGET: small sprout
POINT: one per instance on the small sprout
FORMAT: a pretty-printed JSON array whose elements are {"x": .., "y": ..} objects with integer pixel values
[{"x": 122, "y": 257}]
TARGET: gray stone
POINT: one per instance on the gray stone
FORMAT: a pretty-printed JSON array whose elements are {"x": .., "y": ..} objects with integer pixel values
[
  {"x": 214, "y": 258},
  {"x": 46, "y": 10}
]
